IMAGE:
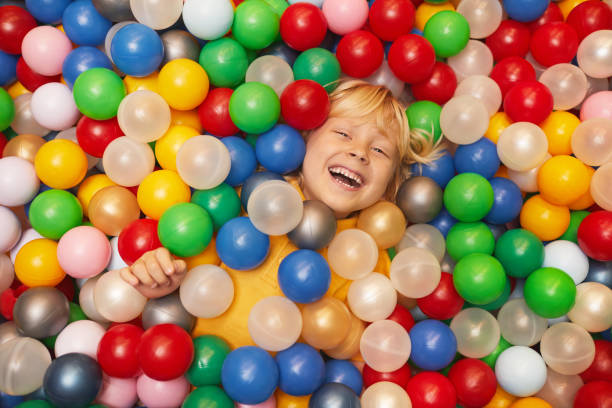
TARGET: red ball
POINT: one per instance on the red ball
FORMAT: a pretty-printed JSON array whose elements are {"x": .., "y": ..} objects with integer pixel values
[
  {"x": 554, "y": 43},
  {"x": 510, "y": 71},
  {"x": 15, "y": 22},
  {"x": 551, "y": 14},
  {"x": 511, "y": 39},
  {"x": 601, "y": 368},
  {"x": 303, "y": 26},
  {"x": 528, "y": 101},
  {"x": 439, "y": 87},
  {"x": 590, "y": 16},
  {"x": 390, "y": 19},
  {"x": 400, "y": 376},
  {"x": 444, "y": 302},
  {"x": 360, "y": 54},
  {"x": 118, "y": 351},
  {"x": 596, "y": 394},
  {"x": 3, "y": 143},
  {"x": 32, "y": 80},
  {"x": 165, "y": 352},
  {"x": 474, "y": 382},
  {"x": 431, "y": 390},
  {"x": 136, "y": 238},
  {"x": 304, "y": 104},
  {"x": 412, "y": 58},
  {"x": 94, "y": 135},
  {"x": 402, "y": 316},
  {"x": 214, "y": 113},
  {"x": 595, "y": 235}
]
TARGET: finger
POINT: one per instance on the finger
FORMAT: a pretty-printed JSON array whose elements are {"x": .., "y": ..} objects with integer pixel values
[
  {"x": 180, "y": 266},
  {"x": 140, "y": 270},
  {"x": 165, "y": 260},
  {"x": 155, "y": 271},
  {"x": 128, "y": 276}
]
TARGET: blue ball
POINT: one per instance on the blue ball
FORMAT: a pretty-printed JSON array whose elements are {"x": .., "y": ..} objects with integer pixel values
[
  {"x": 240, "y": 245},
  {"x": 80, "y": 60},
  {"x": 47, "y": 11},
  {"x": 243, "y": 159},
  {"x": 249, "y": 375},
  {"x": 525, "y": 10},
  {"x": 137, "y": 50},
  {"x": 10, "y": 401},
  {"x": 434, "y": 345},
  {"x": 280, "y": 149},
  {"x": 479, "y": 157},
  {"x": 83, "y": 24},
  {"x": 301, "y": 369},
  {"x": 253, "y": 181},
  {"x": 304, "y": 276},
  {"x": 440, "y": 170},
  {"x": 443, "y": 221},
  {"x": 8, "y": 68},
  {"x": 507, "y": 201},
  {"x": 344, "y": 372}
]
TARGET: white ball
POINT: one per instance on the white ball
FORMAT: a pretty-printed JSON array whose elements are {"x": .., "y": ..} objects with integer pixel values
[
  {"x": 116, "y": 262},
  {"x": 521, "y": 371},
  {"x": 18, "y": 181},
  {"x": 568, "y": 257},
  {"x": 53, "y": 106},
  {"x": 11, "y": 229},
  {"x": 82, "y": 336},
  {"x": 208, "y": 19}
]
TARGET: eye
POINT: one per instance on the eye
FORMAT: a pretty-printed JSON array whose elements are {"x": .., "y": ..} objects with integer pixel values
[
  {"x": 379, "y": 150},
  {"x": 341, "y": 133}
]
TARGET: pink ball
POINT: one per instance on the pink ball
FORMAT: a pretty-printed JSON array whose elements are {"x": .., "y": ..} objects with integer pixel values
[
  {"x": 598, "y": 105},
  {"x": 269, "y": 403},
  {"x": 81, "y": 336},
  {"x": 162, "y": 394},
  {"x": 44, "y": 49},
  {"x": 53, "y": 106},
  {"x": 345, "y": 16},
  {"x": 83, "y": 252},
  {"x": 118, "y": 392}
]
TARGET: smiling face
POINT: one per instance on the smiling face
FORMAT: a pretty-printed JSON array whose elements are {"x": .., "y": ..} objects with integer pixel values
[{"x": 349, "y": 164}]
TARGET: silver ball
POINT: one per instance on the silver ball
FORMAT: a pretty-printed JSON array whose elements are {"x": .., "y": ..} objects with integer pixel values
[
  {"x": 317, "y": 227},
  {"x": 420, "y": 198},
  {"x": 114, "y": 10},
  {"x": 41, "y": 312},
  {"x": 167, "y": 309},
  {"x": 180, "y": 44}
]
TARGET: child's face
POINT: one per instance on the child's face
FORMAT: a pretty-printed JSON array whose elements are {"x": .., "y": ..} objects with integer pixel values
[{"x": 348, "y": 164}]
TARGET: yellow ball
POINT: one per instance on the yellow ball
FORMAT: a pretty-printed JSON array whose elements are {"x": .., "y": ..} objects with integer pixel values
[
  {"x": 426, "y": 10},
  {"x": 290, "y": 401},
  {"x": 169, "y": 144},
  {"x": 567, "y": 6},
  {"x": 17, "y": 89},
  {"x": 498, "y": 122},
  {"x": 36, "y": 264},
  {"x": 183, "y": 83},
  {"x": 586, "y": 200},
  {"x": 501, "y": 399},
  {"x": 90, "y": 186},
  {"x": 558, "y": 127},
  {"x": 159, "y": 191},
  {"x": 531, "y": 402},
  {"x": 60, "y": 164},
  {"x": 547, "y": 221},
  {"x": 148, "y": 83},
  {"x": 207, "y": 257},
  {"x": 186, "y": 118},
  {"x": 563, "y": 179}
]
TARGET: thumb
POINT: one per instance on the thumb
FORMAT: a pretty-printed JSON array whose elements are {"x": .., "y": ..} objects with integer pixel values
[{"x": 180, "y": 266}]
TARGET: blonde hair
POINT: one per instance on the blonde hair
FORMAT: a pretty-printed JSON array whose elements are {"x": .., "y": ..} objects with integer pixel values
[{"x": 356, "y": 98}]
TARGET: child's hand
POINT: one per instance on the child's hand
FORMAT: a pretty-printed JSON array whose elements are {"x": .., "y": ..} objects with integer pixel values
[{"x": 155, "y": 273}]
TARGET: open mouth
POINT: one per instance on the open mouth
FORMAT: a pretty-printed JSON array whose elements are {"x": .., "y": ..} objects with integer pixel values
[{"x": 346, "y": 177}]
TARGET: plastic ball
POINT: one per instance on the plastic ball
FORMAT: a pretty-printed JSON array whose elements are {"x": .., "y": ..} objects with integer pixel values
[
  {"x": 41, "y": 312},
  {"x": 423, "y": 236},
  {"x": 524, "y": 11},
  {"x": 12, "y": 34},
  {"x": 225, "y": 61},
  {"x": 474, "y": 59},
  {"x": 345, "y": 16},
  {"x": 303, "y": 26},
  {"x": 594, "y": 54},
  {"x": 275, "y": 323},
  {"x": 464, "y": 119},
  {"x": 54, "y": 212},
  {"x": 185, "y": 229},
  {"x": 425, "y": 115},
  {"x": 511, "y": 38},
  {"x": 301, "y": 369},
  {"x": 600, "y": 186},
  {"x": 249, "y": 375},
  {"x": 474, "y": 382},
  {"x": 166, "y": 352},
  {"x": 275, "y": 207},
  {"x": 384, "y": 221},
  {"x": 521, "y": 371},
  {"x": 390, "y": 19},
  {"x": 415, "y": 272},
  {"x": 507, "y": 203},
  {"x": 26, "y": 361},
  {"x": 546, "y": 220},
  {"x": 159, "y": 191},
  {"x": 522, "y": 146},
  {"x": 53, "y": 106},
  {"x": 433, "y": 345},
  {"x": 439, "y": 87},
  {"x": 116, "y": 300},
  {"x": 401, "y": 376},
  {"x": 304, "y": 104},
  {"x": 112, "y": 208},
  {"x": 137, "y": 50},
  {"x": 385, "y": 393},
  {"x": 560, "y": 389},
  {"x": 214, "y": 113},
  {"x": 511, "y": 70},
  {"x": 183, "y": 83},
  {"x": 360, "y": 54},
  {"x": 448, "y": 32},
  {"x": 567, "y": 84},
  {"x": 117, "y": 391},
  {"x": 272, "y": 71},
  {"x": 444, "y": 302},
  {"x": 440, "y": 170},
  {"x": 344, "y": 372},
  {"x": 519, "y": 325},
  {"x": 372, "y": 298},
  {"x": 468, "y": 197},
  {"x": 483, "y": 88},
  {"x": 568, "y": 257},
  {"x": 81, "y": 336},
  {"x": 554, "y": 43},
  {"x": 316, "y": 228},
  {"x": 484, "y": 17},
  {"x": 117, "y": 351},
  {"x": 411, "y": 58},
  {"x": 144, "y": 116},
  {"x": 208, "y": 395},
  {"x": 159, "y": 394},
  {"x": 594, "y": 394},
  {"x": 327, "y": 323},
  {"x": 385, "y": 345},
  {"x": 83, "y": 24},
  {"x": 520, "y": 252},
  {"x": 240, "y": 245},
  {"x": 469, "y": 238},
  {"x": 430, "y": 389},
  {"x": 206, "y": 19},
  {"x": 479, "y": 278},
  {"x": 550, "y": 292},
  {"x": 254, "y": 107},
  {"x": 588, "y": 18},
  {"x": 419, "y": 198},
  {"x": 528, "y": 101},
  {"x": 203, "y": 162},
  {"x": 591, "y": 309},
  {"x": 60, "y": 164},
  {"x": 72, "y": 379},
  {"x": 319, "y": 65},
  {"x": 44, "y": 49},
  {"x": 95, "y": 135},
  {"x": 167, "y": 309},
  {"x": 255, "y": 25},
  {"x": 80, "y": 60},
  {"x": 29, "y": 79},
  {"x": 83, "y": 252},
  {"x": 98, "y": 93},
  {"x": 12, "y": 229},
  {"x": 567, "y": 348},
  {"x": 138, "y": 237},
  {"x": 210, "y": 353},
  {"x": 304, "y": 276},
  {"x": 594, "y": 237},
  {"x": 477, "y": 332},
  {"x": 280, "y": 149}
]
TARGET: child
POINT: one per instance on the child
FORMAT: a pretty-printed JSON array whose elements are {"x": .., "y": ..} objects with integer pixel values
[{"x": 359, "y": 156}]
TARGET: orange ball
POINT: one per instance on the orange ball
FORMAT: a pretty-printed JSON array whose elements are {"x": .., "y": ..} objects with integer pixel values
[
  {"x": 159, "y": 191},
  {"x": 207, "y": 257},
  {"x": 36, "y": 264},
  {"x": 90, "y": 186},
  {"x": 501, "y": 399},
  {"x": 586, "y": 200},
  {"x": 291, "y": 401},
  {"x": 563, "y": 179},
  {"x": 60, "y": 164},
  {"x": 531, "y": 402},
  {"x": 426, "y": 10},
  {"x": 547, "y": 221},
  {"x": 558, "y": 128}
]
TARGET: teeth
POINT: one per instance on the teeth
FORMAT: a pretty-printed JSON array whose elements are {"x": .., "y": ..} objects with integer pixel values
[{"x": 347, "y": 173}]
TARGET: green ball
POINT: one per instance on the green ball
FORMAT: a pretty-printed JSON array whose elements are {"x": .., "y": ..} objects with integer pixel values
[
  {"x": 209, "y": 396},
  {"x": 98, "y": 93},
  {"x": 448, "y": 32},
  {"x": 222, "y": 203},
  {"x": 210, "y": 353},
  {"x": 425, "y": 115},
  {"x": 466, "y": 238},
  {"x": 319, "y": 65},
  {"x": 225, "y": 61},
  {"x": 36, "y": 404},
  {"x": 7, "y": 109},
  {"x": 550, "y": 292},
  {"x": 185, "y": 229},
  {"x": 53, "y": 212},
  {"x": 479, "y": 278},
  {"x": 520, "y": 252},
  {"x": 277, "y": 6},
  {"x": 256, "y": 25},
  {"x": 499, "y": 302},
  {"x": 492, "y": 358},
  {"x": 468, "y": 197},
  {"x": 254, "y": 107},
  {"x": 571, "y": 233}
]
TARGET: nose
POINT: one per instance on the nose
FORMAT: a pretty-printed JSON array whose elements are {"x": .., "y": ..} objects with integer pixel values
[{"x": 359, "y": 153}]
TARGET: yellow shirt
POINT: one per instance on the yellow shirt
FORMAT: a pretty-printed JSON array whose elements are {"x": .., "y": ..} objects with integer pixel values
[{"x": 253, "y": 285}]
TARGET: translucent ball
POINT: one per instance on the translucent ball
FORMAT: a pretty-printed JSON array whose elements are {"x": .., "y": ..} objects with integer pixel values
[
  {"x": 372, "y": 298},
  {"x": 415, "y": 272},
  {"x": 477, "y": 332},
  {"x": 207, "y": 291},
  {"x": 275, "y": 323},
  {"x": 352, "y": 254},
  {"x": 519, "y": 324},
  {"x": 275, "y": 207},
  {"x": 203, "y": 162},
  {"x": 385, "y": 346},
  {"x": 567, "y": 348}
]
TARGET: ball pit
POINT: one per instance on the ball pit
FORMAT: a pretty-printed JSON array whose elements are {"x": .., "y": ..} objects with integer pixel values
[{"x": 498, "y": 247}]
